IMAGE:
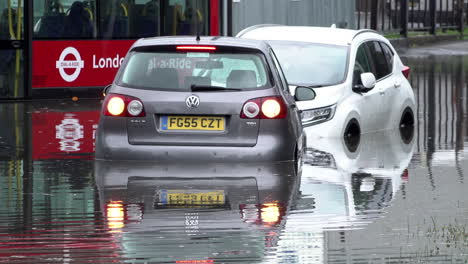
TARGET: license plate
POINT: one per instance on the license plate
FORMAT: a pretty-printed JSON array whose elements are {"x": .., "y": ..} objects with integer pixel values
[
  {"x": 213, "y": 123},
  {"x": 191, "y": 198}
]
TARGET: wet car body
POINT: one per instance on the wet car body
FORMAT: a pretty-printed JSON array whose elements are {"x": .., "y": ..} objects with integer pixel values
[
  {"x": 256, "y": 199},
  {"x": 240, "y": 137},
  {"x": 360, "y": 82}
]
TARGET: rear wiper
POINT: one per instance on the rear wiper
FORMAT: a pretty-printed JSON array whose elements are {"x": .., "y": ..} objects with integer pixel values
[{"x": 207, "y": 88}]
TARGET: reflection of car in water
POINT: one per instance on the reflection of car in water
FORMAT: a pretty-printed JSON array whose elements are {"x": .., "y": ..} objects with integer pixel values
[
  {"x": 163, "y": 213},
  {"x": 348, "y": 185},
  {"x": 344, "y": 185}
]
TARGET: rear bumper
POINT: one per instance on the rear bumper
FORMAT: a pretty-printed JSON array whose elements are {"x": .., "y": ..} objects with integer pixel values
[{"x": 112, "y": 144}]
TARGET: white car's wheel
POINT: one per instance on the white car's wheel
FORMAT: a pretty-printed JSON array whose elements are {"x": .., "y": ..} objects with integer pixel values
[
  {"x": 407, "y": 118},
  {"x": 352, "y": 135},
  {"x": 352, "y": 128}
]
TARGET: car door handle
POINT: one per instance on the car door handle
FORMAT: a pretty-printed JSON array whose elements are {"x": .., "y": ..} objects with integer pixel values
[{"x": 397, "y": 84}]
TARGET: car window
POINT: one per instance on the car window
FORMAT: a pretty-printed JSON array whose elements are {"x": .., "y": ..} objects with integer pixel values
[
  {"x": 311, "y": 64},
  {"x": 379, "y": 60},
  {"x": 388, "y": 55},
  {"x": 280, "y": 71},
  {"x": 180, "y": 70},
  {"x": 362, "y": 64}
]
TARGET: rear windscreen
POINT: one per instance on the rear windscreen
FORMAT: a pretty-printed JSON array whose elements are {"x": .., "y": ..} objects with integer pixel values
[{"x": 180, "y": 71}]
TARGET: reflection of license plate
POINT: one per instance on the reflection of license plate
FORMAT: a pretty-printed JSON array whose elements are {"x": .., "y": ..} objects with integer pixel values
[
  {"x": 191, "y": 197},
  {"x": 215, "y": 123}
]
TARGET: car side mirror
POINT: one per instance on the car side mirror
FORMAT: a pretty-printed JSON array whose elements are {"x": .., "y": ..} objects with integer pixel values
[
  {"x": 106, "y": 89},
  {"x": 368, "y": 82},
  {"x": 304, "y": 93}
]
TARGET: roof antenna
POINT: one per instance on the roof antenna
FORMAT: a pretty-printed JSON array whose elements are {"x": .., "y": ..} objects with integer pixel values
[{"x": 195, "y": 13}]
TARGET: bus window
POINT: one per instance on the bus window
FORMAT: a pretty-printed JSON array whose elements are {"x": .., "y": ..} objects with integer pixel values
[
  {"x": 130, "y": 19},
  {"x": 119, "y": 19},
  {"x": 186, "y": 17},
  {"x": 64, "y": 19},
  {"x": 8, "y": 23},
  {"x": 146, "y": 14},
  {"x": 114, "y": 19}
]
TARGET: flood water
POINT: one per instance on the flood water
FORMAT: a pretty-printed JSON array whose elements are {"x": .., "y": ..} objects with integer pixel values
[{"x": 401, "y": 197}]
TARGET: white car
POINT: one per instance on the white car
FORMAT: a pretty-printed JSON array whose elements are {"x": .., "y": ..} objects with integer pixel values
[{"x": 361, "y": 84}]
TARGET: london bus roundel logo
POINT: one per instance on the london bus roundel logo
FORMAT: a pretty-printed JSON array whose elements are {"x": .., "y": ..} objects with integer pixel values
[{"x": 63, "y": 64}]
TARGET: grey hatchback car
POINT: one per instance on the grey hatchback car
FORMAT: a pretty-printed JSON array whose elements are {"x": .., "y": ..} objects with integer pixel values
[{"x": 212, "y": 99}]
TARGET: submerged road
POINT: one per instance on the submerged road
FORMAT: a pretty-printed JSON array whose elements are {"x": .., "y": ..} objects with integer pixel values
[{"x": 399, "y": 198}]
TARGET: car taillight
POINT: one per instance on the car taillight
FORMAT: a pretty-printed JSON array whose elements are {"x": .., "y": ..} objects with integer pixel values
[
  {"x": 115, "y": 106},
  {"x": 196, "y": 48},
  {"x": 123, "y": 105},
  {"x": 406, "y": 71},
  {"x": 264, "y": 108}
]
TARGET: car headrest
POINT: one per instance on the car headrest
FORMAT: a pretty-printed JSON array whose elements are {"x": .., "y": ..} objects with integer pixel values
[
  {"x": 164, "y": 78},
  {"x": 241, "y": 79},
  {"x": 197, "y": 80}
]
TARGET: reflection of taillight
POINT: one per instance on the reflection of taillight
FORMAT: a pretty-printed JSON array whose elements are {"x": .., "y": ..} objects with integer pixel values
[
  {"x": 406, "y": 71},
  {"x": 250, "y": 213},
  {"x": 134, "y": 212},
  {"x": 405, "y": 175},
  {"x": 115, "y": 214},
  {"x": 264, "y": 108},
  {"x": 268, "y": 214},
  {"x": 123, "y": 105},
  {"x": 118, "y": 213},
  {"x": 200, "y": 261}
]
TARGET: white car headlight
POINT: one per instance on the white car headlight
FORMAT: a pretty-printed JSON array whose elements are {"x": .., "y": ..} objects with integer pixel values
[{"x": 318, "y": 115}]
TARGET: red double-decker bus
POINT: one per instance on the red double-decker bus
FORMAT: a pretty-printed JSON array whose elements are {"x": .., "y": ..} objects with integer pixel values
[{"x": 50, "y": 46}]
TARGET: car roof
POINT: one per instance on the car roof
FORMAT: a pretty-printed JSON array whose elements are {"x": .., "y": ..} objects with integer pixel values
[
  {"x": 191, "y": 40},
  {"x": 324, "y": 35}
]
